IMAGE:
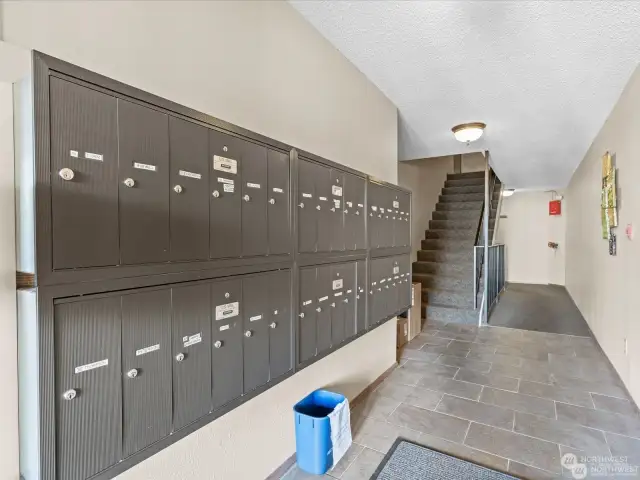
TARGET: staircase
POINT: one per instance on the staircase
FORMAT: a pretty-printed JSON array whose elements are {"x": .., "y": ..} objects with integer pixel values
[{"x": 445, "y": 262}]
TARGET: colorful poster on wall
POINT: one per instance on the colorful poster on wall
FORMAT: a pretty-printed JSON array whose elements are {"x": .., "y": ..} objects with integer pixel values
[{"x": 609, "y": 206}]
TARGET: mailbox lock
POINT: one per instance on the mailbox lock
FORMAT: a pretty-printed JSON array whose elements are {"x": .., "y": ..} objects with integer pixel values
[
  {"x": 177, "y": 189},
  {"x": 66, "y": 174},
  {"x": 225, "y": 148},
  {"x": 248, "y": 333},
  {"x": 357, "y": 212},
  {"x": 227, "y": 295},
  {"x": 317, "y": 207},
  {"x": 333, "y": 209},
  {"x": 301, "y": 205},
  {"x": 216, "y": 193},
  {"x": 133, "y": 373},
  {"x": 301, "y": 315},
  {"x": 218, "y": 344},
  {"x": 246, "y": 198},
  {"x": 70, "y": 394},
  {"x": 129, "y": 182},
  {"x": 272, "y": 201},
  {"x": 333, "y": 304},
  {"x": 346, "y": 211},
  {"x": 273, "y": 324},
  {"x": 180, "y": 357},
  {"x": 387, "y": 287},
  {"x": 357, "y": 297},
  {"x": 318, "y": 309},
  {"x": 275, "y": 312},
  {"x": 346, "y": 300}
]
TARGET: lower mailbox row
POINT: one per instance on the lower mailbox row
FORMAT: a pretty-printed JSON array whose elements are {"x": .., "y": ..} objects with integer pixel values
[{"x": 133, "y": 367}]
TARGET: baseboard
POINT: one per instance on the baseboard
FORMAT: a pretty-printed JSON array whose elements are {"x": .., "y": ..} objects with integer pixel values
[{"x": 288, "y": 463}]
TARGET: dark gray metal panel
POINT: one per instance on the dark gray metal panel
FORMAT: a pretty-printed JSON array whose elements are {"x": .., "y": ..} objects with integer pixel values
[
  {"x": 396, "y": 284},
  {"x": 146, "y": 349},
  {"x": 337, "y": 291},
  {"x": 278, "y": 203},
  {"x": 225, "y": 223},
  {"x": 254, "y": 200},
  {"x": 143, "y": 136},
  {"x": 337, "y": 211},
  {"x": 324, "y": 204},
  {"x": 306, "y": 206},
  {"x": 405, "y": 219},
  {"x": 377, "y": 310},
  {"x": 361, "y": 296},
  {"x": 324, "y": 299},
  {"x": 354, "y": 212},
  {"x": 349, "y": 300},
  {"x": 390, "y": 293},
  {"x": 373, "y": 202},
  {"x": 386, "y": 197},
  {"x": 280, "y": 358},
  {"x": 189, "y": 184},
  {"x": 191, "y": 337},
  {"x": 84, "y": 209},
  {"x": 255, "y": 319},
  {"x": 226, "y": 356},
  {"x": 307, "y": 314},
  {"x": 89, "y": 427}
]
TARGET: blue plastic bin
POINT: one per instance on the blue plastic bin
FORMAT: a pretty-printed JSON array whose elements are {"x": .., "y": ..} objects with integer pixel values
[{"x": 314, "y": 451}]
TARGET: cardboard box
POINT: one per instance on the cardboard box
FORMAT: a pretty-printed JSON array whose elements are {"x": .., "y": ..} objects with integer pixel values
[
  {"x": 414, "y": 315},
  {"x": 403, "y": 332}
]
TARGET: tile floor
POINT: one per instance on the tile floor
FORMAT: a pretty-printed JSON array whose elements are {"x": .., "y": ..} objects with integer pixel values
[{"x": 512, "y": 400}]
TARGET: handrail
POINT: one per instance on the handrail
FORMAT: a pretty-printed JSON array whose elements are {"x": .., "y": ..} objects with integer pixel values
[{"x": 478, "y": 256}]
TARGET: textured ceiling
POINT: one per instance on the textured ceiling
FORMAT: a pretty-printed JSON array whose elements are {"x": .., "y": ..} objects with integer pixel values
[{"x": 543, "y": 75}]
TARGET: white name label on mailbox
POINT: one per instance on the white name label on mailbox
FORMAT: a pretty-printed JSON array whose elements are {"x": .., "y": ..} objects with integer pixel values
[
  {"x": 304, "y": 304},
  {"x": 396, "y": 204},
  {"x": 323, "y": 299},
  {"x": 337, "y": 294},
  {"x": 227, "y": 310},
  {"x": 93, "y": 156},
  {"x": 374, "y": 208},
  {"x": 396, "y": 269},
  {"x": 73, "y": 153},
  {"x": 360, "y": 205},
  {"x": 144, "y": 166},
  {"x": 307, "y": 195},
  {"x": 184, "y": 173},
  {"x": 253, "y": 185},
  {"x": 224, "y": 327},
  {"x": 225, "y": 180},
  {"x": 152, "y": 348},
  {"x": 192, "y": 340},
  {"x": 225, "y": 164},
  {"x": 324, "y": 199},
  {"x": 92, "y": 366},
  {"x": 278, "y": 190},
  {"x": 337, "y": 191},
  {"x": 228, "y": 187},
  {"x": 337, "y": 284},
  {"x": 255, "y": 318}
]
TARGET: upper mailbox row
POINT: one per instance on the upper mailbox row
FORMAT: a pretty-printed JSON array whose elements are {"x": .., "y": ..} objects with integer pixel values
[
  {"x": 133, "y": 185},
  {"x": 132, "y": 368}
]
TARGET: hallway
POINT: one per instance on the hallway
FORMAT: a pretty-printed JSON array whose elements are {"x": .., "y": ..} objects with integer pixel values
[
  {"x": 540, "y": 308},
  {"x": 512, "y": 400}
]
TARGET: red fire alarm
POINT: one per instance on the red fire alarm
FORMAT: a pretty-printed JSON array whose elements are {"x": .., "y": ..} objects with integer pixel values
[{"x": 555, "y": 207}]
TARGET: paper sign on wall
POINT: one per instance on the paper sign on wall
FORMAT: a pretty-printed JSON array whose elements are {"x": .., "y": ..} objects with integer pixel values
[
  {"x": 337, "y": 191},
  {"x": 225, "y": 164},
  {"x": 227, "y": 310},
  {"x": 396, "y": 204},
  {"x": 337, "y": 284},
  {"x": 228, "y": 187}
]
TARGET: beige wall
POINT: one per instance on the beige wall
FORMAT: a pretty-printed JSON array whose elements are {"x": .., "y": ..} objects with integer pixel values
[
  {"x": 425, "y": 178},
  {"x": 526, "y": 232},
  {"x": 473, "y": 162},
  {"x": 233, "y": 60},
  {"x": 605, "y": 288}
]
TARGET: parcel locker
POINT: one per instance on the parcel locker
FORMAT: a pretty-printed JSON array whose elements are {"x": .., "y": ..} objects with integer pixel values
[
  {"x": 307, "y": 314},
  {"x": 226, "y": 340},
  {"x": 336, "y": 297},
  {"x": 337, "y": 211},
  {"x": 189, "y": 190},
  {"x": 306, "y": 207},
  {"x": 280, "y": 323},
  {"x": 255, "y": 305},
  {"x": 146, "y": 369},
  {"x": 324, "y": 205},
  {"x": 88, "y": 387},
  {"x": 225, "y": 210},
  {"x": 354, "y": 212},
  {"x": 254, "y": 200},
  {"x": 278, "y": 203},
  {"x": 191, "y": 353},
  {"x": 323, "y": 309},
  {"x": 143, "y": 139},
  {"x": 84, "y": 180},
  {"x": 361, "y": 296}
]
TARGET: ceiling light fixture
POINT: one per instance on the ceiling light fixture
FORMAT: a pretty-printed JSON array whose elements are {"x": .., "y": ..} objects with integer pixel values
[
  {"x": 508, "y": 192},
  {"x": 468, "y": 132}
]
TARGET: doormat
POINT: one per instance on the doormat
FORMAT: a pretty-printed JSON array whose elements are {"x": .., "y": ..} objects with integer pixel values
[{"x": 409, "y": 461}]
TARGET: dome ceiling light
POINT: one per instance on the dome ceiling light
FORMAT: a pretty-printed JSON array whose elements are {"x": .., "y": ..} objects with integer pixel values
[{"x": 468, "y": 132}]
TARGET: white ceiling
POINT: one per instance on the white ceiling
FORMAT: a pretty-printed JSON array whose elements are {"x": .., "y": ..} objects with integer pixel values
[{"x": 543, "y": 75}]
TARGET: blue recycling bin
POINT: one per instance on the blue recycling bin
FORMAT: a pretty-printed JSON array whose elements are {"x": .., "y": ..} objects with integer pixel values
[{"x": 314, "y": 451}]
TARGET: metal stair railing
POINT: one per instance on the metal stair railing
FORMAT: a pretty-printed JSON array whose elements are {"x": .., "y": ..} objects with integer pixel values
[{"x": 479, "y": 243}]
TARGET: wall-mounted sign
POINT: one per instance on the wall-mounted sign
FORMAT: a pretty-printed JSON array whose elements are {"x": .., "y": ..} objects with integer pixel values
[{"x": 555, "y": 207}]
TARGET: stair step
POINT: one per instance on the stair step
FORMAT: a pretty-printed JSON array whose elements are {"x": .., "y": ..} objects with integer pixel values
[
  {"x": 443, "y": 256},
  {"x": 474, "y": 206},
  {"x": 443, "y": 313},
  {"x": 464, "y": 197},
  {"x": 462, "y": 269},
  {"x": 463, "y": 284},
  {"x": 468, "y": 234},
  {"x": 458, "y": 176},
  {"x": 456, "y": 215},
  {"x": 456, "y": 224},
  {"x": 464, "y": 182},
  {"x": 448, "y": 244},
  {"x": 462, "y": 190},
  {"x": 451, "y": 298}
]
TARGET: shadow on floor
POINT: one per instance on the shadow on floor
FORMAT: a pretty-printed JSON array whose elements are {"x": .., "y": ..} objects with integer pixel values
[{"x": 540, "y": 308}]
